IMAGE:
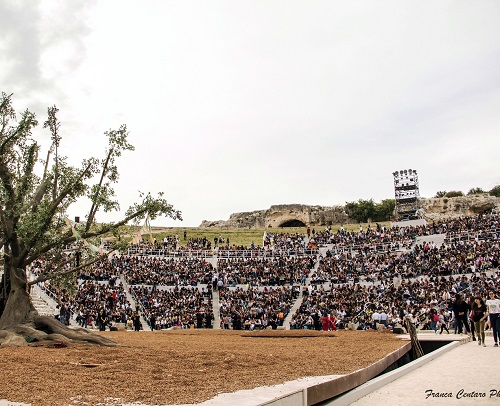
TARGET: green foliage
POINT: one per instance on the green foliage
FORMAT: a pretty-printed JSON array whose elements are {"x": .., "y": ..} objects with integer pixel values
[
  {"x": 440, "y": 194},
  {"x": 384, "y": 210},
  {"x": 475, "y": 191},
  {"x": 361, "y": 210},
  {"x": 495, "y": 191},
  {"x": 454, "y": 193},
  {"x": 154, "y": 206},
  {"x": 32, "y": 207},
  {"x": 364, "y": 210}
]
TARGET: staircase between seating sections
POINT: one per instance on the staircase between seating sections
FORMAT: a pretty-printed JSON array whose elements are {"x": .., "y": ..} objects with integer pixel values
[
  {"x": 321, "y": 253},
  {"x": 215, "y": 309},
  {"x": 131, "y": 299},
  {"x": 45, "y": 305}
]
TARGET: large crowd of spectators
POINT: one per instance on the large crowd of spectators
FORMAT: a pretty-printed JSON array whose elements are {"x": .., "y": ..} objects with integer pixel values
[
  {"x": 199, "y": 244},
  {"x": 423, "y": 259},
  {"x": 183, "y": 307},
  {"x": 273, "y": 244},
  {"x": 99, "y": 299},
  {"x": 364, "y": 286},
  {"x": 366, "y": 276},
  {"x": 292, "y": 241},
  {"x": 414, "y": 298},
  {"x": 254, "y": 308},
  {"x": 373, "y": 239},
  {"x": 265, "y": 271},
  {"x": 152, "y": 270}
]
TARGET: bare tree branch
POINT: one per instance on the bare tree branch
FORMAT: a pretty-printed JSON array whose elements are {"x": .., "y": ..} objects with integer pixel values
[
  {"x": 95, "y": 205},
  {"x": 53, "y": 209},
  {"x": 28, "y": 173},
  {"x": 44, "y": 278},
  {"x": 69, "y": 240}
]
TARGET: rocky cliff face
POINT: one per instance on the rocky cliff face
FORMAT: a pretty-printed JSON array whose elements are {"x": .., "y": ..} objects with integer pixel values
[
  {"x": 283, "y": 215},
  {"x": 450, "y": 207},
  {"x": 300, "y": 215}
]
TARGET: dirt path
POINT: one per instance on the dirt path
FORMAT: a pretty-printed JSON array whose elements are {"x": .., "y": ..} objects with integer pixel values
[{"x": 181, "y": 366}]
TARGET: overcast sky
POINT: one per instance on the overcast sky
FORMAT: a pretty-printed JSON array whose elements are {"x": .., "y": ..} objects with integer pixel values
[{"x": 238, "y": 105}]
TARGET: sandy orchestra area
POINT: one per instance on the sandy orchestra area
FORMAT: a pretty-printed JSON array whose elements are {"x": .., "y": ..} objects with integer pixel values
[{"x": 181, "y": 366}]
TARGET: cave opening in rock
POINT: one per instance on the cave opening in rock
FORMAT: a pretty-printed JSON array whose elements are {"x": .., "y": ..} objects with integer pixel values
[{"x": 293, "y": 223}]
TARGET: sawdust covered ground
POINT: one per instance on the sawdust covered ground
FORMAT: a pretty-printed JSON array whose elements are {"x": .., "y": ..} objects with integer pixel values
[{"x": 181, "y": 366}]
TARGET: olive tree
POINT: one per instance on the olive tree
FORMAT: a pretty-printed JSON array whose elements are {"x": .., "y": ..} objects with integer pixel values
[{"x": 35, "y": 193}]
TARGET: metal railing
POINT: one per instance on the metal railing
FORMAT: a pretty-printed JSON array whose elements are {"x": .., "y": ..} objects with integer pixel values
[
  {"x": 371, "y": 248},
  {"x": 471, "y": 236},
  {"x": 158, "y": 252},
  {"x": 219, "y": 253},
  {"x": 230, "y": 254}
]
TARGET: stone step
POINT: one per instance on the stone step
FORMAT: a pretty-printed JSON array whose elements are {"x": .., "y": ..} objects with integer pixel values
[
  {"x": 438, "y": 239},
  {"x": 216, "y": 309},
  {"x": 119, "y": 326},
  {"x": 44, "y": 304},
  {"x": 42, "y": 307},
  {"x": 131, "y": 299}
]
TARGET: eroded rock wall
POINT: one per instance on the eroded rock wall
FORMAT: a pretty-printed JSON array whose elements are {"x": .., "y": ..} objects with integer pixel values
[
  {"x": 450, "y": 207},
  {"x": 278, "y": 215}
]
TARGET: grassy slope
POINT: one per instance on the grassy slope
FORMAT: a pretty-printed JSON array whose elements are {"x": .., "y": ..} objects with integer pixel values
[{"x": 239, "y": 236}]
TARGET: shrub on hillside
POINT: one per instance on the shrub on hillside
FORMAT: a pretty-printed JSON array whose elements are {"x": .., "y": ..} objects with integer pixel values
[
  {"x": 495, "y": 191},
  {"x": 475, "y": 191},
  {"x": 364, "y": 210},
  {"x": 454, "y": 193}
]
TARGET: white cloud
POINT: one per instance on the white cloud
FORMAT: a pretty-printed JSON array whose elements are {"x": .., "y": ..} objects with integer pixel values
[{"x": 234, "y": 106}]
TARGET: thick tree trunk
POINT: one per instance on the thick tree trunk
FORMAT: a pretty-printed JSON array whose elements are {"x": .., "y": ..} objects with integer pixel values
[
  {"x": 18, "y": 309},
  {"x": 20, "y": 321}
]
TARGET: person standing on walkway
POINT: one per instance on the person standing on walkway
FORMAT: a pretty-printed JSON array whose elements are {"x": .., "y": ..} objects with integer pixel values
[
  {"x": 62, "y": 312},
  {"x": 434, "y": 319},
  {"x": 493, "y": 305},
  {"x": 460, "y": 312},
  {"x": 325, "y": 321},
  {"x": 375, "y": 319},
  {"x": 136, "y": 319},
  {"x": 479, "y": 316},
  {"x": 470, "y": 302},
  {"x": 152, "y": 322},
  {"x": 443, "y": 321},
  {"x": 384, "y": 317}
]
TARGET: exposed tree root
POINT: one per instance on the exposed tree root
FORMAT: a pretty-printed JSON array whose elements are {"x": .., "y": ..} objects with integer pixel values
[{"x": 46, "y": 330}]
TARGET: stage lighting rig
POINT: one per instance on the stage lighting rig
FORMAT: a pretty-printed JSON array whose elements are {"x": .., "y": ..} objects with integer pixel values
[{"x": 406, "y": 193}]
